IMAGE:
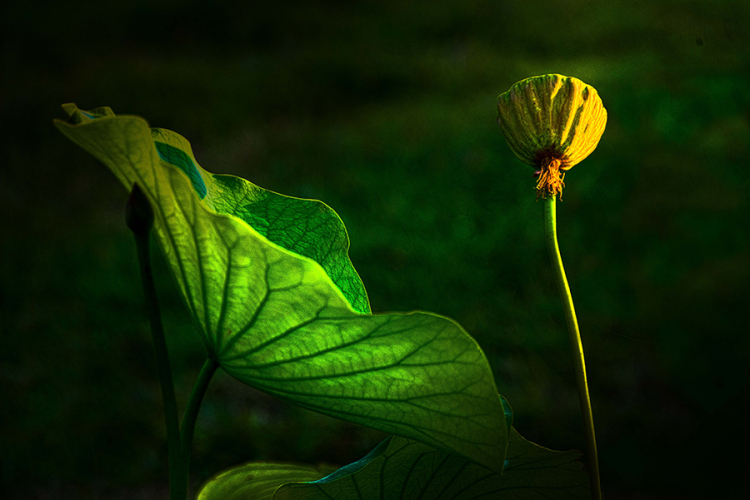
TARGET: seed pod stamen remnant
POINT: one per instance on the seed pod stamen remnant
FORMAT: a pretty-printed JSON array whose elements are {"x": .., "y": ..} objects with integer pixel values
[{"x": 550, "y": 178}]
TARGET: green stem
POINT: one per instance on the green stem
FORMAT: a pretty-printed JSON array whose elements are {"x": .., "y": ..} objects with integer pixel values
[
  {"x": 177, "y": 487},
  {"x": 550, "y": 229},
  {"x": 191, "y": 413}
]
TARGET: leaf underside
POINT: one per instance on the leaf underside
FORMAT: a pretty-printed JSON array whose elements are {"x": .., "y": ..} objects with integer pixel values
[{"x": 274, "y": 318}]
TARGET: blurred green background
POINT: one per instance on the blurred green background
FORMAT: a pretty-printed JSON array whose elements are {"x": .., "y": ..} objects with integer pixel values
[{"x": 386, "y": 111}]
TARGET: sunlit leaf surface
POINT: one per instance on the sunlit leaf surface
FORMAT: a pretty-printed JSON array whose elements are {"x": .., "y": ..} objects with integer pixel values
[
  {"x": 306, "y": 227},
  {"x": 275, "y": 319}
]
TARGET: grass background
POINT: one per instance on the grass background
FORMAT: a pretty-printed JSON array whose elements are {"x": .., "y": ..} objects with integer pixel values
[{"x": 386, "y": 111}]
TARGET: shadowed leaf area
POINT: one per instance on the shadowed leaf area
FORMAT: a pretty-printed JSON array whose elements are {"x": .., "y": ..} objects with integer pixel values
[{"x": 404, "y": 469}]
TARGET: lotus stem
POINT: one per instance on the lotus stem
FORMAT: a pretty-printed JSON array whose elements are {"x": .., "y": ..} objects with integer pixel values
[{"x": 550, "y": 227}]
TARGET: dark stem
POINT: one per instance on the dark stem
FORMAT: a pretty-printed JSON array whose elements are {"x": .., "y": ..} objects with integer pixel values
[{"x": 177, "y": 485}]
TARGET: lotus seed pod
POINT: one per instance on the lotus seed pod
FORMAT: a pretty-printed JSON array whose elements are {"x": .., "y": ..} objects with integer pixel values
[{"x": 551, "y": 122}]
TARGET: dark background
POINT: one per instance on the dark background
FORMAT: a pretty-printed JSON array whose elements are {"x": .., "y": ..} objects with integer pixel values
[{"x": 386, "y": 111}]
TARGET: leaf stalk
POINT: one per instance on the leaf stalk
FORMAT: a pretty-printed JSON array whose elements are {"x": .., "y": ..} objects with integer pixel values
[{"x": 191, "y": 413}]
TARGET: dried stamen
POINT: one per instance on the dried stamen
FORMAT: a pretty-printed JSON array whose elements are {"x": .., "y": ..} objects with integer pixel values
[{"x": 550, "y": 178}]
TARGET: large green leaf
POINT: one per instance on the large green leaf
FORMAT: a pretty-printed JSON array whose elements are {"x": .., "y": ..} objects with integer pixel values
[{"x": 275, "y": 320}]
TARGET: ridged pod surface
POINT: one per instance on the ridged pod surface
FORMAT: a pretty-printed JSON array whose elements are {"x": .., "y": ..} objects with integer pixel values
[
  {"x": 551, "y": 122},
  {"x": 552, "y": 115}
]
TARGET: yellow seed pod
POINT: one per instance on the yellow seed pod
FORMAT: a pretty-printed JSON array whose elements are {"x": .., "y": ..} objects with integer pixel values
[{"x": 551, "y": 122}]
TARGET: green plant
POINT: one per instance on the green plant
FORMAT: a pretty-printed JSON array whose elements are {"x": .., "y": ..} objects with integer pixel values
[{"x": 279, "y": 306}]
